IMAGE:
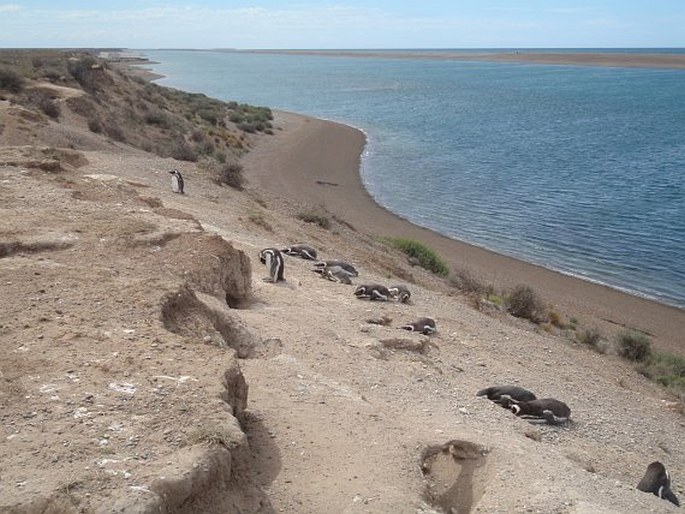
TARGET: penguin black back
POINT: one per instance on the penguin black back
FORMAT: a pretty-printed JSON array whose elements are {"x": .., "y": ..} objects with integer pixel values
[
  {"x": 320, "y": 267},
  {"x": 301, "y": 250},
  {"x": 425, "y": 326},
  {"x": 503, "y": 395},
  {"x": 554, "y": 412},
  {"x": 658, "y": 482},
  {"x": 372, "y": 292}
]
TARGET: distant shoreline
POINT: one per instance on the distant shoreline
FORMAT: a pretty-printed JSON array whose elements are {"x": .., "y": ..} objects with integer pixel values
[
  {"x": 302, "y": 161},
  {"x": 608, "y": 59}
]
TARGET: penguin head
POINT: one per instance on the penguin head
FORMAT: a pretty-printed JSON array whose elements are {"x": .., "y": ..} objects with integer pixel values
[
  {"x": 516, "y": 409},
  {"x": 360, "y": 290}
]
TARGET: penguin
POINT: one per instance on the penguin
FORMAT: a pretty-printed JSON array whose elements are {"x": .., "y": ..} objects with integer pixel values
[
  {"x": 554, "y": 412},
  {"x": 273, "y": 259},
  {"x": 658, "y": 482},
  {"x": 400, "y": 293},
  {"x": 503, "y": 395},
  {"x": 426, "y": 326},
  {"x": 372, "y": 292},
  {"x": 301, "y": 250},
  {"x": 336, "y": 274},
  {"x": 337, "y": 271},
  {"x": 176, "y": 181},
  {"x": 321, "y": 266}
]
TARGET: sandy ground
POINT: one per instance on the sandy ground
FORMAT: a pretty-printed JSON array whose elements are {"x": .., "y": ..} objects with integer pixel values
[
  {"x": 628, "y": 60},
  {"x": 316, "y": 162},
  {"x": 120, "y": 385}
]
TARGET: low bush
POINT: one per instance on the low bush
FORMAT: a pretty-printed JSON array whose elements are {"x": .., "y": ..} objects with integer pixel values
[
  {"x": 258, "y": 219},
  {"x": 231, "y": 174},
  {"x": 589, "y": 336},
  {"x": 11, "y": 81},
  {"x": 314, "y": 217},
  {"x": 666, "y": 369},
  {"x": 633, "y": 345},
  {"x": 523, "y": 302},
  {"x": 49, "y": 107},
  {"x": 39, "y": 100},
  {"x": 158, "y": 118},
  {"x": 466, "y": 282},
  {"x": 94, "y": 125},
  {"x": 423, "y": 255}
]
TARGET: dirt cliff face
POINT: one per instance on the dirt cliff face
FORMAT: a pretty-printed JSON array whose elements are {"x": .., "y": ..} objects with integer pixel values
[{"x": 119, "y": 364}]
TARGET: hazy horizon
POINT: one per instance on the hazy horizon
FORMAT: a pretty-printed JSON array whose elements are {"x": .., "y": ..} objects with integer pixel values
[{"x": 377, "y": 24}]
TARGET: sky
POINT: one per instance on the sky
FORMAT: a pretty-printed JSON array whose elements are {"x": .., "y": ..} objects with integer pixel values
[{"x": 283, "y": 24}]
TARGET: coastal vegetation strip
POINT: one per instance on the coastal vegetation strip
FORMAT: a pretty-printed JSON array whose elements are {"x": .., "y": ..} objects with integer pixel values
[{"x": 116, "y": 103}]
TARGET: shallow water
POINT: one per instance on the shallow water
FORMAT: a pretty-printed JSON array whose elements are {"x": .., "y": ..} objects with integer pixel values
[{"x": 579, "y": 169}]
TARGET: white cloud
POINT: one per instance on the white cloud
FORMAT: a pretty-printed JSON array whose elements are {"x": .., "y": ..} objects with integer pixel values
[{"x": 7, "y": 8}]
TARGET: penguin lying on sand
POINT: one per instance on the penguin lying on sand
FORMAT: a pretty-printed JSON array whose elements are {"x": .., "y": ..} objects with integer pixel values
[
  {"x": 400, "y": 293},
  {"x": 337, "y": 271},
  {"x": 372, "y": 292},
  {"x": 426, "y": 326},
  {"x": 503, "y": 395},
  {"x": 554, "y": 412},
  {"x": 273, "y": 259},
  {"x": 658, "y": 482},
  {"x": 301, "y": 250}
]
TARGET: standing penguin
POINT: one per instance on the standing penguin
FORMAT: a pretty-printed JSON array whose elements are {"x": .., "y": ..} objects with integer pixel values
[
  {"x": 176, "y": 181},
  {"x": 658, "y": 482},
  {"x": 273, "y": 259}
]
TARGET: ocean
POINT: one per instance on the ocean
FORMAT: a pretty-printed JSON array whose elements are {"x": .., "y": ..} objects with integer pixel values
[{"x": 578, "y": 169}]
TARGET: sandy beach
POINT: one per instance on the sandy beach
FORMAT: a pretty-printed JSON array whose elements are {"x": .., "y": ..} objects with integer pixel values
[
  {"x": 317, "y": 162},
  {"x": 611, "y": 59}
]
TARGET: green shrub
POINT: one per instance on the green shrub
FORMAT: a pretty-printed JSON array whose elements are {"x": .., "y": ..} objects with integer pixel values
[
  {"x": 633, "y": 345},
  {"x": 666, "y": 369},
  {"x": 314, "y": 217},
  {"x": 11, "y": 81},
  {"x": 523, "y": 302},
  {"x": 420, "y": 253}
]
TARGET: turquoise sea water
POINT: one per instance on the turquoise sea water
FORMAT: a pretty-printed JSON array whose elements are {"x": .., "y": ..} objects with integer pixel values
[{"x": 579, "y": 169}]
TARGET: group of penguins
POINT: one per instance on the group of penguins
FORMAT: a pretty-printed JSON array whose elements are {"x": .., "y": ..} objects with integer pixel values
[
  {"x": 525, "y": 404},
  {"x": 520, "y": 401},
  {"x": 343, "y": 272}
]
